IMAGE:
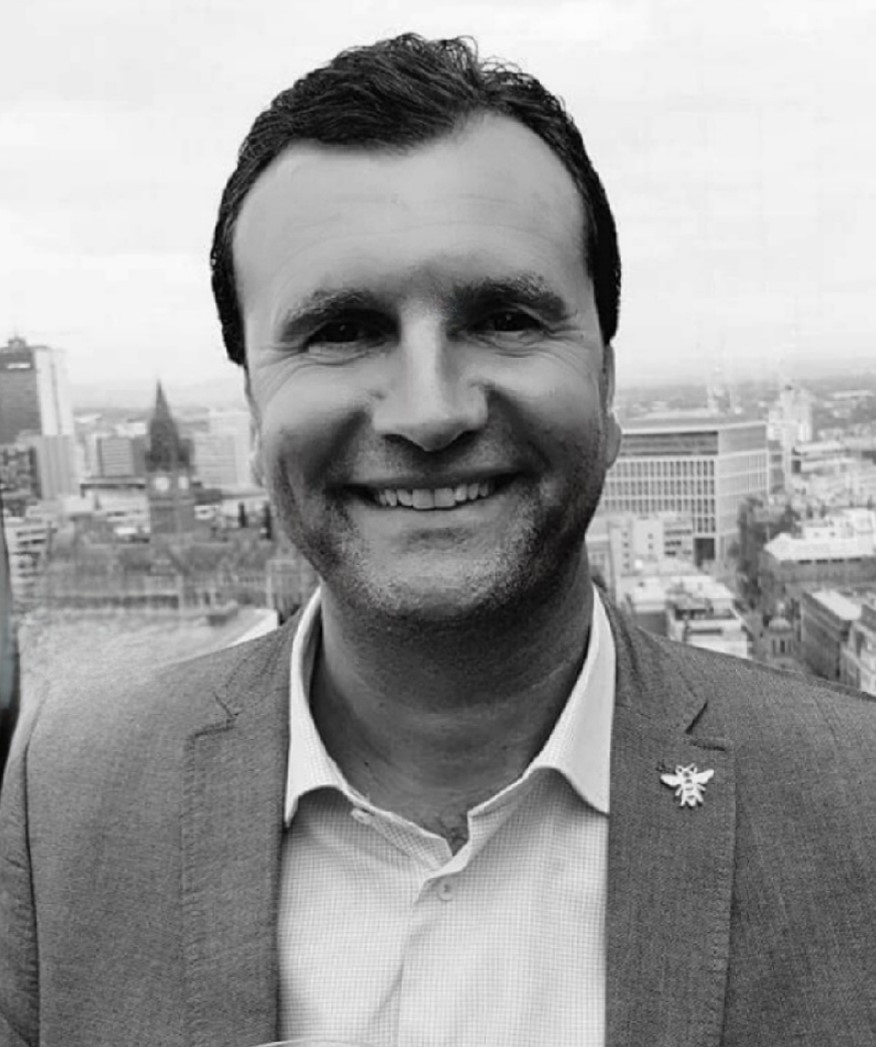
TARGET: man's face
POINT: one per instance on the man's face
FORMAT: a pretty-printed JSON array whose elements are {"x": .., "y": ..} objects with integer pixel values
[{"x": 426, "y": 369}]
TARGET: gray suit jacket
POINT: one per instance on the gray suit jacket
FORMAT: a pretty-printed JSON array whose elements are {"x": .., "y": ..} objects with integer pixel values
[{"x": 140, "y": 837}]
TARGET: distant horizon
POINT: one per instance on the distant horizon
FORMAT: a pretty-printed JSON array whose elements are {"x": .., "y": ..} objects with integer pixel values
[{"x": 228, "y": 390}]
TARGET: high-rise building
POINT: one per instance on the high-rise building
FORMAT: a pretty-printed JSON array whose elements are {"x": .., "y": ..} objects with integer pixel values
[
  {"x": 34, "y": 391},
  {"x": 702, "y": 468},
  {"x": 168, "y": 475},
  {"x": 36, "y": 411}
]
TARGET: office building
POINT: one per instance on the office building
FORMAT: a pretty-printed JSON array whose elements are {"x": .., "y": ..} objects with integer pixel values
[
  {"x": 36, "y": 412},
  {"x": 120, "y": 456},
  {"x": 826, "y": 619},
  {"x": 700, "y": 468},
  {"x": 222, "y": 453},
  {"x": 836, "y": 552}
]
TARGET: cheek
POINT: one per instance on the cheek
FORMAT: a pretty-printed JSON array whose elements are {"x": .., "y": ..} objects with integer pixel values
[
  {"x": 306, "y": 424},
  {"x": 562, "y": 402}
]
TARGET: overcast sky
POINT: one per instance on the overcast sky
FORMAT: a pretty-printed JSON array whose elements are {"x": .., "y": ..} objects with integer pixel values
[{"x": 737, "y": 143}]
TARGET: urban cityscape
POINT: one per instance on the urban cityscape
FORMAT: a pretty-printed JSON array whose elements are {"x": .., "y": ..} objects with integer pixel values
[{"x": 737, "y": 518}]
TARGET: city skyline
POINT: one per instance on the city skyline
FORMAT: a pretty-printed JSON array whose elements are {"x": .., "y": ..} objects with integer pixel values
[{"x": 733, "y": 143}]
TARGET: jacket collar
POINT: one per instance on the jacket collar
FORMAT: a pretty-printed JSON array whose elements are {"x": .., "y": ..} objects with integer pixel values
[
  {"x": 670, "y": 868},
  {"x": 232, "y": 822}
]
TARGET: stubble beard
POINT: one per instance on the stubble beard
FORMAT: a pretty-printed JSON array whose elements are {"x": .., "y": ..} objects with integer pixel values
[{"x": 484, "y": 593}]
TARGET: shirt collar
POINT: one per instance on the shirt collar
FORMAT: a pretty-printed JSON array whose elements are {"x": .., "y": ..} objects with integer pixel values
[
  {"x": 579, "y": 746},
  {"x": 309, "y": 765}
]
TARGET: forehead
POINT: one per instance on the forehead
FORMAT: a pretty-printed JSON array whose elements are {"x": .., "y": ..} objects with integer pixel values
[{"x": 487, "y": 193}]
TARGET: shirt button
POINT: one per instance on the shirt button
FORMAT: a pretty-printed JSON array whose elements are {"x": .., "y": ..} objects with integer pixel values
[
  {"x": 363, "y": 817},
  {"x": 446, "y": 890}
]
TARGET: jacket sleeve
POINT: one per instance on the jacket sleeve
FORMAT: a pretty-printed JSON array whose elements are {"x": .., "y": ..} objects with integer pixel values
[{"x": 19, "y": 982}]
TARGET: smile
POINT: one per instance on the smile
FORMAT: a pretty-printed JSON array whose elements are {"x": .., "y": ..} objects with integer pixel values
[{"x": 427, "y": 498}]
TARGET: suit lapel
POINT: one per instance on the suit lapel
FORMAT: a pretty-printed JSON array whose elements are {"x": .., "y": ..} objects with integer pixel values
[
  {"x": 670, "y": 867},
  {"x": 232, "y": 825}
]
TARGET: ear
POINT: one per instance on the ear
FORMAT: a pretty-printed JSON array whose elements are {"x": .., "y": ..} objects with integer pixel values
[{"x": 612, "y": 428}]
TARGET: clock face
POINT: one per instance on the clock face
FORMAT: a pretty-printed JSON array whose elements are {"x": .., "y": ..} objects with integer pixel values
[
  {"x": 161, "y": 483},
  {"x": 183, "y": 483}
]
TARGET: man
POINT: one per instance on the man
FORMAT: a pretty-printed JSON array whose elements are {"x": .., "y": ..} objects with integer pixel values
[{"x": 460, "y": 800}]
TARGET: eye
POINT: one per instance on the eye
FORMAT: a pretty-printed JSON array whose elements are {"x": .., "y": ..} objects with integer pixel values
[
  {"x": 509, "y": 321},
  {"x": 347, "y": 332},
  {"x": 342, "y": 332}
]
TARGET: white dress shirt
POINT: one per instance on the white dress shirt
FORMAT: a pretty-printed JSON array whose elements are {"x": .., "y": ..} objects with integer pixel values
[{"x": 387, "y": 937}]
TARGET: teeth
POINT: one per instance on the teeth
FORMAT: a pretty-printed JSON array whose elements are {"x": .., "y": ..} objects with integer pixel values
[{"x": 434, "y": 498}]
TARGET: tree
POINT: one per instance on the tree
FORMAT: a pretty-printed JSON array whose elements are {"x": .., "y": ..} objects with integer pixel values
[{"x": 267, "y": 523}]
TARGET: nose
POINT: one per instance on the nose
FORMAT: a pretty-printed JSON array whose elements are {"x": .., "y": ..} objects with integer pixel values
[{"x": 431, "y": 397}]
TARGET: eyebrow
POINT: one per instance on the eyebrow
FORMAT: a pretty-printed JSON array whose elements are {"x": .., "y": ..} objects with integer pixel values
[
  {"x": 321, "y": 307},
  {"x": 467, "y": 299},
  {"x": 525, "y": 289}
]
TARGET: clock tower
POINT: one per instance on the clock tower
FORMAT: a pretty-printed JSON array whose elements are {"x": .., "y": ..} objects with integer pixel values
[{"x": 168, "y": 475}]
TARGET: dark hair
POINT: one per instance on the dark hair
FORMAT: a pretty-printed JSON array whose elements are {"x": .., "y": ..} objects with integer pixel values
[{"x": 401, "y": 93}]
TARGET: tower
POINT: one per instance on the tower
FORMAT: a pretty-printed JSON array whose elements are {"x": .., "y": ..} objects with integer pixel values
[
  {"x": 36, "y": 412},
  {"x": 168, "y": 475}
]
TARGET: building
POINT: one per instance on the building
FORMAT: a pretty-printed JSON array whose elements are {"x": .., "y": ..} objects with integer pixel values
[
  {"x": 826, "y": 619},
  {"x": 169, "y": 476},
  {"x": 644, "y": 592},
  {"x": 789, "y": 424},
  {"x": 119, "y": 456},
  {"x": 701, "y": 468},
  {"x": 837, "y": 552},
  {"x": 706, "y": 619},
  {"x": 858, "y": 654},
  {"x": 34, "y": 391},
  {"x": 223, "y": 452},
  {"x": 19, "y": 477},
  {"x": 776, "y": 646},
  {"x": 675, "y": 599},
  {"x": 759, "y": 523},
  {"x": 36, "y": 411},
  {"x": 620, "y": 544},
  {"x": 27, "y": 540}
]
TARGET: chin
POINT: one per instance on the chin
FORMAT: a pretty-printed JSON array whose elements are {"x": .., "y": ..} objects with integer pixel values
[{"x": 461, "y": 595}]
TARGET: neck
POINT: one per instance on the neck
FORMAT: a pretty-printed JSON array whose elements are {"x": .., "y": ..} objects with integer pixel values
[{"x": 422, "y": 719}]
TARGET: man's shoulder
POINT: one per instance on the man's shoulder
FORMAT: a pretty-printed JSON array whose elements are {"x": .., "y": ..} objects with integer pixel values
[
  {"x": 748, "y": 699},
  {"x": 162, "y": 705}
]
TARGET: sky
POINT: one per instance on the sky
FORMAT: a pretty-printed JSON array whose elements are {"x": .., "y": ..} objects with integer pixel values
[{"x": 737, "y": 144}]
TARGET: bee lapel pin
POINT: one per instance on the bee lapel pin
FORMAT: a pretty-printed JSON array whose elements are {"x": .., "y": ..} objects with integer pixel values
[{"x": 689, "y": 784}]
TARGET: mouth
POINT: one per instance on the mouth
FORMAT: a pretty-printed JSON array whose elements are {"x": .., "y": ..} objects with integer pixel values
[{"x": 431, "y": 499}]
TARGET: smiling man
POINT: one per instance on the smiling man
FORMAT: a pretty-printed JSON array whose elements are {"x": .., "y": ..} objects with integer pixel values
[{"x": 460, "y": 801}]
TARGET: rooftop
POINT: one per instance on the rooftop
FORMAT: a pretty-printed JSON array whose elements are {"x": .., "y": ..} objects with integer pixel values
[
  {"x": 687, "y": 424},
  {"x": 842, "y": 605},
  {"x": 785, "y": 547}
]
